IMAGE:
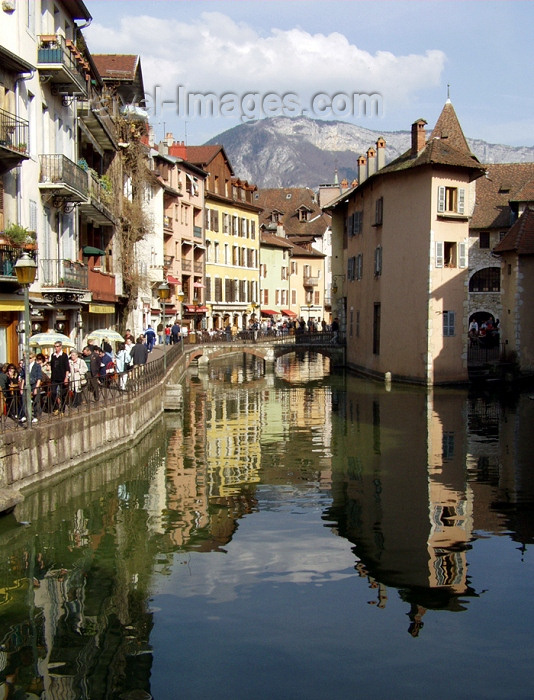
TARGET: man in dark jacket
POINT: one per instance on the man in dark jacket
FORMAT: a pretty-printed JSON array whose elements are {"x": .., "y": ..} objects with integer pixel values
[
  {"x": 139, "y": 353},
  {"x": 59, "y": 376}
]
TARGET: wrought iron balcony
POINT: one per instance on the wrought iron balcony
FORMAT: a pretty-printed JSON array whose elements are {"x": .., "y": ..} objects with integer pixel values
[
  {"x": 62, "y": 275},
  {"x": 13, "y": 140},
  {"x": 310, "y": 281},
  {"x": 63, "y": 177},
  {"x": 95, "y": 115},
  {"x": 97, "y": 207},
  {"x": 62, "y": 64},
  {"x": 9, "y": 255}
]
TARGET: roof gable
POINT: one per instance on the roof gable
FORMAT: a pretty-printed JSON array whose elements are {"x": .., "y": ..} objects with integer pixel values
[{"x": 520, "y": 238}]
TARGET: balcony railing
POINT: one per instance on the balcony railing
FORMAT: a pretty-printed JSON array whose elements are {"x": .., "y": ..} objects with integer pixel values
[
  {"x": 310, "y": 281},
  {"x": 167, "y": 260},
  {"x": 63, "y": 176},
  {"x": 186, "y": 265},
  {"x": 98, "y": 205},
  {"x": 14, "y": 133},
  {"x": 60, "y": 60},
  {"x": 167, "y": 222},
  {"x": 198, "y": 268},
  {"x": 8, "y": 258},
  {"x": 58, "y": 274}
]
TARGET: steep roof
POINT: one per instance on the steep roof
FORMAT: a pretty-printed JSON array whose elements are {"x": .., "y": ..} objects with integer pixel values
[
  {"x": 204, "y": 155},
  {"x": 448, "y": 129},
  {"x": 520, "y": 238},
  {"x": 504, "y": 183},
  {"x": 289, "y": 201},
  {"x": 435, "y": 152}
]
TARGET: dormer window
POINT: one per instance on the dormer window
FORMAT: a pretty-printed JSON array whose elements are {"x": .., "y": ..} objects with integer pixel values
[
  {"x": 304, "y": 213},
  {"x": 276, "y": 216}
]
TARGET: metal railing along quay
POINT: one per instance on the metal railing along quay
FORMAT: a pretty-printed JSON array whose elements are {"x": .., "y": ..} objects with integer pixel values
[{"x": 54, "y": 404}]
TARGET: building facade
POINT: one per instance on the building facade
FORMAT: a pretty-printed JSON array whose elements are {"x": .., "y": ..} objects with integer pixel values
[{"x": 404, "y": 234}]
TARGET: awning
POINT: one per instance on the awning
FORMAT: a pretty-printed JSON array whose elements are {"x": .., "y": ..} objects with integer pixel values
[
  {"x": 91, "y": 250},
  {"x": 11, "y": 305},
  {"x": 198, "y": 285},
  {"x": 268, "y": 312},
  {"x": 173, "y": 280},
  {"x": 288, "y": 312},
  {"x": 101, "y": 309},
  {"x": 192, "y": 309}
]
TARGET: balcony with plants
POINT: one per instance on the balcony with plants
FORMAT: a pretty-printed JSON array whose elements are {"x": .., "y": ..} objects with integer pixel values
[
  {"x": 14, "y": 241},
  {"x": 61, "y": 63},
  {"x": 100, "y": 195},
  {"x": 63, "y": 275},
  {"x": 63, "y": 178},
  {"x": 13, "y": 140}
]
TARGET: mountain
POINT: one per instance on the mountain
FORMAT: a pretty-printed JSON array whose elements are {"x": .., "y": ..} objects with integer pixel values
[{"x": 304, "y": 152}]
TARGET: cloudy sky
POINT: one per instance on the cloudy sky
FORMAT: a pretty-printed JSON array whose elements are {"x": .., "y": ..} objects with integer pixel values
[{"x": 270, "y": 57}]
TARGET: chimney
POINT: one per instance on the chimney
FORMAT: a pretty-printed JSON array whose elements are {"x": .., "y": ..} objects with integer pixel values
[
  {"x": 418, "y": 136},
  {"x": 371, "y": 161},
  {"x": 354, "y": 183},
  {"x": 169, "y": 138},
  {"x": 380, "y": 153},
  {"x": 362, "y": 169},
  {"x": 344, "y": 184},
  {"x": 178, "y": 149}
]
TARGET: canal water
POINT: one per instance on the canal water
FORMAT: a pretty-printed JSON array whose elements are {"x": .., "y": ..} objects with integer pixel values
[{"x": 296, "y": 534}]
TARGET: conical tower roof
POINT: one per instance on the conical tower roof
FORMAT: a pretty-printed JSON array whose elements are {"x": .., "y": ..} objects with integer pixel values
[{"x": 448, "y": 129}]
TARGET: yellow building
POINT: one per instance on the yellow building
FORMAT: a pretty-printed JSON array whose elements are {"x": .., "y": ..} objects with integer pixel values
[{"x": 232, "y": 242}]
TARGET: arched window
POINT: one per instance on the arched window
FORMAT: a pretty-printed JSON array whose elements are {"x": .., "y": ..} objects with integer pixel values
[{"x": 486, "y": 280}]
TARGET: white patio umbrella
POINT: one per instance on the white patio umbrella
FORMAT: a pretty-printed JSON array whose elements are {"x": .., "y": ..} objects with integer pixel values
[
  {"x": 105, "y": 334},
  {"x": 47, "y": 340}
]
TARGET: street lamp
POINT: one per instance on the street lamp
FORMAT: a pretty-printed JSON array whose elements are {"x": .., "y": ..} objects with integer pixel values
[
  {"x": 164, "y": 292},
  {"x": 25, "y": 269}
]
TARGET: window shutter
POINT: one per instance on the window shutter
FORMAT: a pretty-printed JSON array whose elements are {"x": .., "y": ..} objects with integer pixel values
[
  {"x": 378, "y": 260},
  {"x": 461, "y": 200},
  {"x": 441, "y": 200},
  {"x": 463, "y": 255},
  {"x": 439, "y": 253}
]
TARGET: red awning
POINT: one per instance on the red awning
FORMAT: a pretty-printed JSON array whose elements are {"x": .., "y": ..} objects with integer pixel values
[
  {"x": 288, "y": 312},
  {"x": 173, "y": 280},
  {"x": 268, "y": 312},
  {"x": 192, "y": 309}
]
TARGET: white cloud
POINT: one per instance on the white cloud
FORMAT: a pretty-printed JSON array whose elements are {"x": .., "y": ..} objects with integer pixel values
[{"x": 215, "y": 53}]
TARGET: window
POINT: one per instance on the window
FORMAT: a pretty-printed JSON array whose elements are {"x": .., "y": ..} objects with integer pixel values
[
  {"x": 451, "y": 200},
  {"x": 378, "y": 261},
  {"x": 448, "y": 323},
  {"x": 354, "y": 223},
  {"x": 484, "y": 239},
  {"x": 486, "y": 280},
  {"x": 379, "y": 211},
  {"x": 376, "y": 329},
  {"x": 351, "y": 268},
  {"x": 451, "y": 254}
]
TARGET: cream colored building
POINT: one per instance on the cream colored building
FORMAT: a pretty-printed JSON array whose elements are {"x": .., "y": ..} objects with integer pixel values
[{"x": 403, "y": 233}]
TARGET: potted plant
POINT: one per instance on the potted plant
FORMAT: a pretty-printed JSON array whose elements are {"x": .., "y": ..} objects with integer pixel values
[{"x": 17, "y": 235}]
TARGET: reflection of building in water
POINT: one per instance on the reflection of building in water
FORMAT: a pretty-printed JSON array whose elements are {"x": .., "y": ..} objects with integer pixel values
[
  {"x": 403, "y": 500},
  {"x": 450, "y": 497},
  {"x": 499, "y": 462}
]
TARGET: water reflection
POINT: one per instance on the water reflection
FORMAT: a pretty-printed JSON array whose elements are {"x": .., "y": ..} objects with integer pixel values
[{"x": 364, "y": 499}]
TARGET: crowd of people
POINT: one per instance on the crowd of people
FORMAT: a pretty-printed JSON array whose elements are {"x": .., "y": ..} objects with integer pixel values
[
  {"x": 65, "y": 378},
  {"x": 485, "y": 335},
  {"x": 68, "y": 378}
]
